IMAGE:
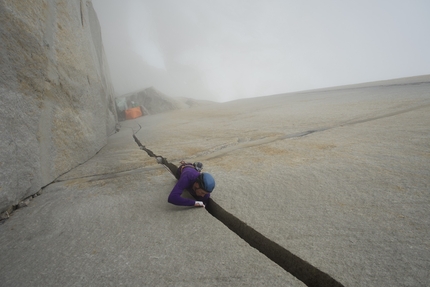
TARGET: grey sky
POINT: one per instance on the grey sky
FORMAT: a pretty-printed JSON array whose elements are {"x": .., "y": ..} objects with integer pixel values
[{"x": 223, "y": 50}]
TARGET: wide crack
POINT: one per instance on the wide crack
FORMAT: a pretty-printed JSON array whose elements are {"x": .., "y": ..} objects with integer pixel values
[
  {"x": 291, "y": 263},
  {"x": 299, "y": 268}
]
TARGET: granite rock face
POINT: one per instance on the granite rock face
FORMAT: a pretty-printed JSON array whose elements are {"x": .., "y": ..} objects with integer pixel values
[{"x": 56, "y": 96}]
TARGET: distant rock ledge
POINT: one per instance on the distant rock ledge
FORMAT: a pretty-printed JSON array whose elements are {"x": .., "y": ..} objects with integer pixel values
[{"x": 153, "y": 102}]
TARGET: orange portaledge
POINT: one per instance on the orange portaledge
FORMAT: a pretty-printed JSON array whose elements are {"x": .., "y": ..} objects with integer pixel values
[{"x": 133, "y": 113}]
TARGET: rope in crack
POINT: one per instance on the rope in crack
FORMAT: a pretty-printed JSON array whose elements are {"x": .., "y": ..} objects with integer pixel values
[
  {"x": 161, "y": 160},
  {"x": 291, "y": 263}
]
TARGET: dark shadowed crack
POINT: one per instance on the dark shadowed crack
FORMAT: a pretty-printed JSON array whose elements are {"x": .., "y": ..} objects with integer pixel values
[{"x": 291, "y": 263}]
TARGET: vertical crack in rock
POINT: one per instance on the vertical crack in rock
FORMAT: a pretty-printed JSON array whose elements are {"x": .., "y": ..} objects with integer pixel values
[
  {"x": 82, "y": 14},
  {"x": 291, "y": 263}
]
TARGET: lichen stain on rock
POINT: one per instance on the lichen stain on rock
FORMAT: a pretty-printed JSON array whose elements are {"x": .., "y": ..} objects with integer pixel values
[{"x": 266, "y": 149}]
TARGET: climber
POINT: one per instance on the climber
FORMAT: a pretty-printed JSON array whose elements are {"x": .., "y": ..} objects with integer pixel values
[{"x": 198, "y": 184}]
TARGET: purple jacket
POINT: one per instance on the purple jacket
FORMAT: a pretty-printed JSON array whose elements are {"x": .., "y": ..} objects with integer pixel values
[{"x": 186, "y": 181}]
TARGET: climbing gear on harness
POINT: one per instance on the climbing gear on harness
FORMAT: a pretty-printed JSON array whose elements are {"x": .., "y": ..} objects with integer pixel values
[{"x": 197, "y": 166}]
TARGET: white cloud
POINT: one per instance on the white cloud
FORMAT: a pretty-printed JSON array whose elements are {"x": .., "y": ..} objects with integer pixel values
[
  {"x": 224, "y": 50},
  {"x": 142, "y": 34}
]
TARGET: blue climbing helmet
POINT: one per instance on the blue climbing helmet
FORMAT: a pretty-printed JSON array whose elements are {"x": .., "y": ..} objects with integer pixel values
[{"x": 206, "y": 181}]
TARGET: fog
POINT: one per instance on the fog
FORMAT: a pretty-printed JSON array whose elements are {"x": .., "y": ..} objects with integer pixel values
[{"x": 222, "y": 50}]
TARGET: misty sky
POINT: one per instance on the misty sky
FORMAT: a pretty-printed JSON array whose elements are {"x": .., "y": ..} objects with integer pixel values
[{"x": 223, "y": 50}]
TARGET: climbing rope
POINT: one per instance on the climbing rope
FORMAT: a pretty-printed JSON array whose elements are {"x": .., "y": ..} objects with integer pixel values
[{"x": 161, "y": 160}]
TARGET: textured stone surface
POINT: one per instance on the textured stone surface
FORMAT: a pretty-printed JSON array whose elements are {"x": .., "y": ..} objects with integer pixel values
[
  {"x": 109, "y": 224},
  {"x": 56, "y": 103},
  {"x": 339, "y": 177}
]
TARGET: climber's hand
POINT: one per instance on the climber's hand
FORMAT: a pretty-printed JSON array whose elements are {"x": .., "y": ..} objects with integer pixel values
[{"x": 199, "y": 204}]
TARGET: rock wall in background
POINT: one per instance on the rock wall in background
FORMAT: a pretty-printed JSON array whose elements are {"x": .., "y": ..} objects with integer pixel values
[
  {"x": 56, "y": 96},
  {"x": 152, "y": 101}
]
